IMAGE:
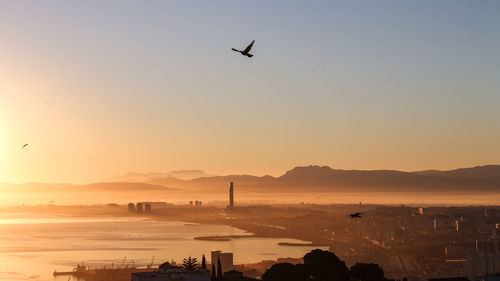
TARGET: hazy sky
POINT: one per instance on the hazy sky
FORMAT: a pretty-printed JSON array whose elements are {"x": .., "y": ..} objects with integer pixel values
[{"x": 99, "y": 88}]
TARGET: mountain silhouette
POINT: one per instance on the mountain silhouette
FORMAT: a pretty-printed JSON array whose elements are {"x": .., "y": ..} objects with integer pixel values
[
  {"x": 481, "y": 180},
  {"x": 150, "y": 177},
  {"x": 324, "y": 178}
]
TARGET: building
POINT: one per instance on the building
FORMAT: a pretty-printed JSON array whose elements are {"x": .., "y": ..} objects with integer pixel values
[
  {"x": 139, "y": 208},
  {"x": 481, "y": 263},
  {"x": 148, "y": 208},
  {"x": 226, "y": 260},
  {"x": 166, "y": 272},
  {"x": 131, "y": 207},
  {"x": 442, "y": 223},
  {"x": 231, "y": 195}
]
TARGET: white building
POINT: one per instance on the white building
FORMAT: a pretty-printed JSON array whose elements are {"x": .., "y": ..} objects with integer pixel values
[{"x": 226, "y": 260}]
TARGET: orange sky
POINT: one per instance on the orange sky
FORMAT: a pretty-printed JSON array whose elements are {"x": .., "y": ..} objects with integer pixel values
[{"x": 97, "y": 91}]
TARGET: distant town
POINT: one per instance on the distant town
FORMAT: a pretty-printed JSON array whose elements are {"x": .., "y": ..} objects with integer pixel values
[{"x": 412, "y": 242}]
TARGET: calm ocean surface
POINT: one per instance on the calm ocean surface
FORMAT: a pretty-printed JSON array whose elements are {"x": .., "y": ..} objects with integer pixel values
[{"x": 32, "y": 247}]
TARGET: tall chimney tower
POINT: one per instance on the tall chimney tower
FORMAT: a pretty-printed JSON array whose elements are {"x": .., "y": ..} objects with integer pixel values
[{"x": 231, "y": 195}]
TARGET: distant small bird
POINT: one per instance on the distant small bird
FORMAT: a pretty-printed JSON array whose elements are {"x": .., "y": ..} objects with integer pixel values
[
  {"x": 24, "y": 145},
  {"x": 245, "y": 52},
  {"x": 356, "y": 215}
]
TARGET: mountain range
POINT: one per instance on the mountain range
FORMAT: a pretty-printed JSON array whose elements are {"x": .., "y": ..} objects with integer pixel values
[
  {"x": 177, "y": 174},
  {"x": 482, "y": 181},
  {"x": 324, "y": 178}
]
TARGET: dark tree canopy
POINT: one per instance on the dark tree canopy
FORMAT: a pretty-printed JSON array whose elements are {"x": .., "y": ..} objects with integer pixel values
[
  {"x": 325, "y": 266},
  {"x": 301, "y": 272},
  {"x": 281, "y": 272},
  {"x": 322, "y": 265},
  {"x": 367, "y": 272},
  {"x": 165, "y": 265}
]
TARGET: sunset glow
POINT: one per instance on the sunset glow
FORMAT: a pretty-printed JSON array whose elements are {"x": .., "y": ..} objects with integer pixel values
[
  {"x": 284, "y": 140},
  {"x": 95, "y": 104}
]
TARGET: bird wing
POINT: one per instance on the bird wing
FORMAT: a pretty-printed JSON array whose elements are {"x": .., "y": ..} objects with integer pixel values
[
  {"x": 24, "y": 145},
  {"x": 235, "y": 50},
  {"x": 247, "y": 49}
]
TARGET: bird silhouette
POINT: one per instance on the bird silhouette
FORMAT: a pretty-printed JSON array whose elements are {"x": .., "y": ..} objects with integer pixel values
[
  {"x": 24, "y": 145},
  {"x": 356, "y": 215},
  {"x": 245, "y": 52}
]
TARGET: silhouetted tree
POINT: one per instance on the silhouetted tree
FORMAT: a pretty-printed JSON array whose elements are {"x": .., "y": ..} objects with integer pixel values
[
  {"x": 325, "y": 266},
  {"x": 367, "y": 272},
  {"x": 322, "y": 265},
  {"x": 219, "y": 270},
  {"x": 213, "y": 275},
  {"x": 301, "y": 272},
  {"x": 190, "y": 263},
  {"x": 165, "y": 265},
  {"x": 284, "y": 272},
  {"x": 203, "y": 262}
]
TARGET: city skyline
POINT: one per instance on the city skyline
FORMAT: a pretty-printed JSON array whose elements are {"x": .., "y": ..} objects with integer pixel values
[{"x": 98, "y": 89}]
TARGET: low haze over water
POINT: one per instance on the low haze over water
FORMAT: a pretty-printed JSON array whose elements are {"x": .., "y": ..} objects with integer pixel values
[{"x": 32, "y": 247}]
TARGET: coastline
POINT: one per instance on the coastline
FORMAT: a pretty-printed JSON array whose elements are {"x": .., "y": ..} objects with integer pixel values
[{"x": 223, "y": 237}]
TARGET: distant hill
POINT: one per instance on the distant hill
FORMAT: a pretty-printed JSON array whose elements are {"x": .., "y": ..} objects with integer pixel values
[
  {"x": 323, "y": 178},
  {"x": 122, "y": 187},
  {"x": 45, "y": 193},
  {"x": 151, "y": 177},
  {"x": 467, "y": 179},
  {"x": 482, "y": 181}
]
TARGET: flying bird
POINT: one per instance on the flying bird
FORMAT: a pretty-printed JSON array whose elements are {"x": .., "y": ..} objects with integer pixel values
[
  {"x": 356, "y": 215},
  {"x": 245, "y": 52},
  {"x": 24, "y": 145}
]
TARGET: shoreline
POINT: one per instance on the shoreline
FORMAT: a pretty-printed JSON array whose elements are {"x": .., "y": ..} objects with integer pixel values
[{"x": 224, "y": 237}]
